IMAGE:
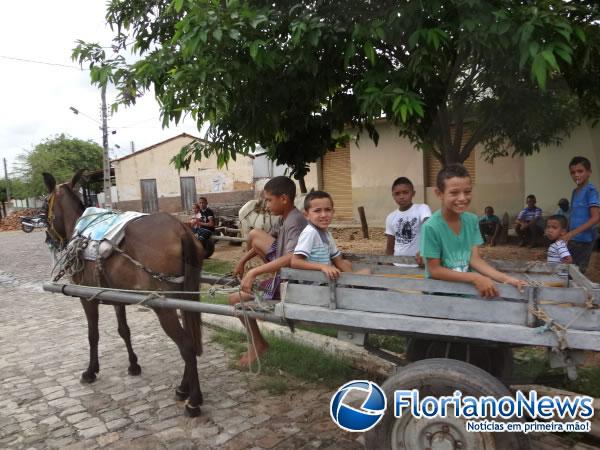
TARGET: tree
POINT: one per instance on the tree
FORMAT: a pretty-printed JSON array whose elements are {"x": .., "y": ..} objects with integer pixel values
[
  {"x": 62, "y": 156},
  {"x": 292, "y": 77}
]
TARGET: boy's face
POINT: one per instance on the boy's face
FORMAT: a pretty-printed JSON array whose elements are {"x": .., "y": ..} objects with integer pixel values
[
  {"x": 275, "y": 203},
  {"x": 554, "y": 230},
  {"x": 403, "y": 195},
  {"x": 579, "y": 174},
  {"x": 320, "y": 213},
  {"x": 202, "y": 203},
  {"x": 563, "y": 205},
  {"x": 531, "y": 202},
  {"x": 457, "y": 194},
  {"x": 489, "y": 212}
]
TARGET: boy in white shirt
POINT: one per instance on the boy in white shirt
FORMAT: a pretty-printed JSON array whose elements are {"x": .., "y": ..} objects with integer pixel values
[
  {"x": 316, "y": 249},
  {"x": 403, "y": 226},
  {"x": 556, "y": 228}
]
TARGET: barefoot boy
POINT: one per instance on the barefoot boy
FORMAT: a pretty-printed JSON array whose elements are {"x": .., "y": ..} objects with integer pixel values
[
  {"x": 450, "y": 238},
  {"x": 585, "y": 213},
  {"x": 275, "y": 251},
  {"x": 316, "y": 249}
]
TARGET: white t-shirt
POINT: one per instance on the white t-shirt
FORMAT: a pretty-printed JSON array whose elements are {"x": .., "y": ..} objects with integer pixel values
[
  {"x": 316, "y": 245},
  {"x": 405, "y": 227}
]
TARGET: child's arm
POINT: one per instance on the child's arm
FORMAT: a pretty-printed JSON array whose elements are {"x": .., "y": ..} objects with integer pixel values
[
  {"x": 300, "y": 262},
  {"x": 483, "y": 284},
  {"x": 270, "y": 267},
  {"x": 389, "y": 244},
  {"x": 594, "y": 220},
  {"x": 479, "y": 264},
  {"x": 567, "y": 260}
]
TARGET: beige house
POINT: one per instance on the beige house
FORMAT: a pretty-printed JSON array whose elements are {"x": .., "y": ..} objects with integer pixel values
[
  {"x": 147, "y": 181},
  {"x": 361, "y": 175}
]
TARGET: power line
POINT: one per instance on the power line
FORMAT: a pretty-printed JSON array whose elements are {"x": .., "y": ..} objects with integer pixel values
[{"x": 13, "y": 58}]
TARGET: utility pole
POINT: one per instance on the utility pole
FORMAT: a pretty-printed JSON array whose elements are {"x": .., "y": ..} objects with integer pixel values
[
  {"x": 105, "y": 157},
  {"x": 7, "y": 184}
]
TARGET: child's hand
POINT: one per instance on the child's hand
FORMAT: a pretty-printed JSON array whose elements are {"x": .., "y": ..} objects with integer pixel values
[
  {"x": 519, "y": 284},
  {"x": 419, "y": 259},
  {"x": 485, "y": 286},
  {"x": 238, "y": 270},
  {"x": 567, "y": 237},
  {"x": 331, "y": 272}
]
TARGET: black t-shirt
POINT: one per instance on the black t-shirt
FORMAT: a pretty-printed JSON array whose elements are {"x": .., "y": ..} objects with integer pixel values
[{"x": 204, "y": 215}]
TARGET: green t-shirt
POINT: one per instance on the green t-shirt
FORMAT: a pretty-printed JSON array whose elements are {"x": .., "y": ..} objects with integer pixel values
[{"x": 440, "y": 242}]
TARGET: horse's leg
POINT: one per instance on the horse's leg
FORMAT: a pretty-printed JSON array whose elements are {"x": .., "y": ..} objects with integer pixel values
[
  {"x": 134, "y": 368},
  {"x": 91, "y": 313},
  {"x": 170, "y": 323}
]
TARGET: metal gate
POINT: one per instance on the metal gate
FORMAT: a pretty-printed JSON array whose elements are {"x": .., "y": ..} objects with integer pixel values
[
  {"x": 149, "y": 196},
  {"x": 188, "y": 192}
]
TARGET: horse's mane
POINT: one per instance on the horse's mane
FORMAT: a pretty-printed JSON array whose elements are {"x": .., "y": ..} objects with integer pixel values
[{"x": 79, "y": 204}]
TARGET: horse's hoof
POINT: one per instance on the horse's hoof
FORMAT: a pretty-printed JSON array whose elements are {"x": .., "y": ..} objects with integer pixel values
[
  {"x": 134, "y": 370},
  {"x": 192, "y": 411},
  {"x": 87, "y": 377},
  {"x": 181, "y": 395}
]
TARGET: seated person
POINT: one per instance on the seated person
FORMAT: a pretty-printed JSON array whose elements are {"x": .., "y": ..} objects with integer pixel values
[
  {"x": 490, "y": 226},
  {"x": 529, "y": 223},
  {"x": 450, "y": 239},
  {"x": 564, "y": 209},
  {"x": 203, "y": 222},
  {"x": 556, "y": 228},
  {"x": 316, "y": 249},
  {"x": 276, "y": 252}
]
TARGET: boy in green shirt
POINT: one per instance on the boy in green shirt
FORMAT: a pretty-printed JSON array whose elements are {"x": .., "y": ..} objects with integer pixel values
[{"x": 449, "y": 239}]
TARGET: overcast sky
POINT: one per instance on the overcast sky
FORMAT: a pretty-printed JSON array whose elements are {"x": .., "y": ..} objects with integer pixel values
[{"x": 36, "y": 97}]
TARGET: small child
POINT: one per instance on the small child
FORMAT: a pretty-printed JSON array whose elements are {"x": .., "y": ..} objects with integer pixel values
[
  {"x": 316, "y": 249},
  {"x": 403, "y": 226},
  {"x": 556, "y": 228},
  {"x": 450, "y": 238},
  {"x": 585, "y": 213},
  {"x": 489, "y": 225}
]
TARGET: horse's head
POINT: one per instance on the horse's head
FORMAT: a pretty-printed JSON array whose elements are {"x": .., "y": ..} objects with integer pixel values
[{"x": 63, "y": 208}]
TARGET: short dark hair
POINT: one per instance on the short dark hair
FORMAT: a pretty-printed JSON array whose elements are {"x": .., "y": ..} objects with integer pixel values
[
  {"x": 531, "y": 196},
  {"x": 402, "y": 180},
  {"x": 581, "y": 160},
  {"x": 450, "y": 171},
  {"x": 315, "y": 195},
  {"x": 203, "y": 198},
  {"x": 281, "y": 186},
  {"x": 489, "y": 207},
  {"x": 564, "y": 201},
  {"x": 560, "y": 219}
]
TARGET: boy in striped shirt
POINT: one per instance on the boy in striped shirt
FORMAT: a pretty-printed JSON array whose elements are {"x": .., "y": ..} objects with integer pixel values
[
  {"x": 316, "y": 249},
  {"x": 556, "y": 228}
]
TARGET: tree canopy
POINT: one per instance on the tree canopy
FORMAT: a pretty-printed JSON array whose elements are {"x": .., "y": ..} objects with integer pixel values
[
  {"x": 293, "y": 77},
  {"x": 60, "y": 155}
]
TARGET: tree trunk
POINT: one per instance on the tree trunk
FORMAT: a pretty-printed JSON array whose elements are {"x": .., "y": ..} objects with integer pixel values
[{"x": 302, "y": 185}]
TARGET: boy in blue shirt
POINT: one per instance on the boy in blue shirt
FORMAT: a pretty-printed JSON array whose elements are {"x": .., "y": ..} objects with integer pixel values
[
  {"x": 450, "y": 238},
  {"x": 585, "y": 213}
]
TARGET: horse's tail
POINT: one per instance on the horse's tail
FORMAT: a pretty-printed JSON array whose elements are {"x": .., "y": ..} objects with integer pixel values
[{"x": 192, "y": 266}]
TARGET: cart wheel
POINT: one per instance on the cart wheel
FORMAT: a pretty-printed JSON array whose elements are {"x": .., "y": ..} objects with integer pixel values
[
  {"x": 496, "y": 360},
  {"x": 437, "y": 377}
]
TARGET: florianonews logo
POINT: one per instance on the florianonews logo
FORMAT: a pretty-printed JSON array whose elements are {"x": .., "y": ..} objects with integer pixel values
[{"x": 371, "y": 403}]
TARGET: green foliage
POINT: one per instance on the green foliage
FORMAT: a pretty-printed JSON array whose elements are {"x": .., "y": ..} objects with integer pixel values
[
  {"x": 291, "y": 77},
  {"x": 61, "y": 156},
  {"x": 19, "y": 189}
]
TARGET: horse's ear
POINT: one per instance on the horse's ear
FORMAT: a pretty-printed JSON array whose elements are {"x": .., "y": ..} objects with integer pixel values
[
  {"x": 49, "y": 181},
  {"x": 77, "y": 177}
]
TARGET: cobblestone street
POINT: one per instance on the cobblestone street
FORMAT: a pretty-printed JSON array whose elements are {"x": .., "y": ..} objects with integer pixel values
[{"x": 44, "y": 349}]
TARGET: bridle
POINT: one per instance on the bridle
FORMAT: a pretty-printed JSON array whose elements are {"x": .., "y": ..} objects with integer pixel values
[{"x": 55, "y": 239}]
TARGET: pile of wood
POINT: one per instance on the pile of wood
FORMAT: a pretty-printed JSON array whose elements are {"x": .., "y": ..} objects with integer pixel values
[{"x": 13, "y": 221}]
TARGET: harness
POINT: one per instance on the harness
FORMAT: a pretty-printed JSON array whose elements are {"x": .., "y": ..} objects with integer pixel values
[{"x": 54, "y": 238}]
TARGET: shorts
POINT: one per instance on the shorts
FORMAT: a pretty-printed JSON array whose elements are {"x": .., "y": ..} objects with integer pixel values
[
  {"x": 581, "y": 253},
  {"x": 271, "y": 285}
]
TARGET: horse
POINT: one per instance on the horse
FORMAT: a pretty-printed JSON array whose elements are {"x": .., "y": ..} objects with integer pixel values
[{"x": 158, "y": 243}]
